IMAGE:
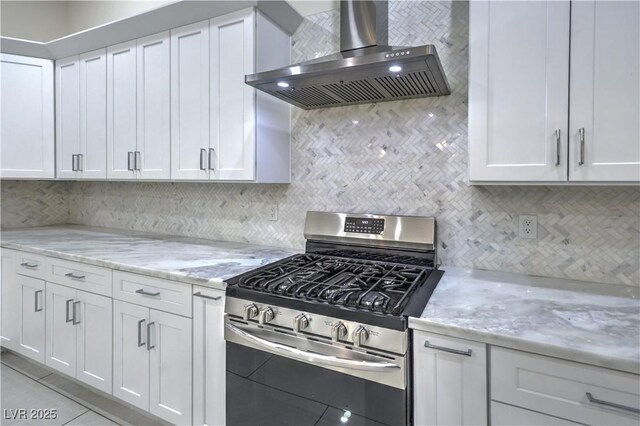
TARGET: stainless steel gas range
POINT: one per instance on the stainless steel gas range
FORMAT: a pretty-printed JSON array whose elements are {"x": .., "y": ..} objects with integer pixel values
[{"x": 321, "y": 338}]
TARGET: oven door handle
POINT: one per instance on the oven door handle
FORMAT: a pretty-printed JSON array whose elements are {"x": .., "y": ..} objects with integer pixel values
[{"x": 312, "y": 357}]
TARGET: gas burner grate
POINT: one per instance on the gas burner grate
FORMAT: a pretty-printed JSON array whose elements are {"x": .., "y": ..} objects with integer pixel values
[{"x": 374, "y": 286}]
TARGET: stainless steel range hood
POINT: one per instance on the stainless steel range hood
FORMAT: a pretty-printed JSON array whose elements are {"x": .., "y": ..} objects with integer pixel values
[{"x": 365, "y": 70}]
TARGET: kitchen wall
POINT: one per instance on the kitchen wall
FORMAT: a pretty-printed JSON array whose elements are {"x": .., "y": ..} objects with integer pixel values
[
  {"x": 33, "y": 20},
  {"x": 406, "y": 157}
]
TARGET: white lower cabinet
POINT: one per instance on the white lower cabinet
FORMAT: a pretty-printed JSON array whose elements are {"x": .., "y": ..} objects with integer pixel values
[
  {"x": 152, "y": 361},
  {"x": 60, "y": 329},
  {"x": 30, "y": 320},
  {"x": 9, "y": 301},
  {"x": 450, "y": 380},
  {"x": 208, "y": 357},
  {"x": 508, "y": 415}
]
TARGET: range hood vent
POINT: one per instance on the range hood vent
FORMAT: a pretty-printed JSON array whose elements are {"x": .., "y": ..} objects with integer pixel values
[{"x": 365, "y": 70}]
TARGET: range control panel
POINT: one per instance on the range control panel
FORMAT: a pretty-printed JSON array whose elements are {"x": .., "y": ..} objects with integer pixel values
[{"x": 363, "y": 225}]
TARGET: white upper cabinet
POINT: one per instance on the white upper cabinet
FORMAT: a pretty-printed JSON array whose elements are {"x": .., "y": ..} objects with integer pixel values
[
  {"x": 518, "y": 90},
  {"x": 67, "y": 116},
  {"x": 605, "y": 91},
  {"x": 154, "y": 135},
  {"x": 27, "y": 126}
]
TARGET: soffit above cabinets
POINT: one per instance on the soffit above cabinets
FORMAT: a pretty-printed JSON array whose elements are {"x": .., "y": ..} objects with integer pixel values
[{"x": 152, "y": 22}]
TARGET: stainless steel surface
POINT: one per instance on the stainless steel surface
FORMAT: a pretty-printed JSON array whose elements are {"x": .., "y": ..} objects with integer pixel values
[
  {"x": 361, "y": 72},
  {"x": 249, "y": 311},
  {"x": 410, "y": 232},
  {"x": 266, "y": 315},
  {"x": 29, "y": 265},
  {"x": 363, "y": 24},
  {"x": 300, "y": 322},
  {"x": 365, "y": 364},
  {"x": 74, "y": 276},
  {"x": 80, "y": 166},
  {"x": 338, "y": 331},
  {"x": 137, "y": 160},
  {"x": 140, "y": 342},
  {"x": 557, "y": 133},
  {"x": 608, "y": 404},
  {"x": 146, "y": 293},
  {"x": 129, "y": 161},
  {"x": 76, "y": 321},
  {"x": 445, "y": 349},
  {"x": 38, "y": 301},
  {"x": 203, "y": 154},
  {"x": 204, "y": 296},
  {"x": 320, "y": 326},
  {"x": 360, "y": 336},
  {"x": 149, "y": 334},
  {"x": 581, "y": 133},
  {"x": 66, "y": 316},
  {"x": 211, "y": 159}
]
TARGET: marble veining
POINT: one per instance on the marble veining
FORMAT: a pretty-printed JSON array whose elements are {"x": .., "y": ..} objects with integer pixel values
[
  {"x": 190, "y": 260},
  {"x": 591, "y": 323}
]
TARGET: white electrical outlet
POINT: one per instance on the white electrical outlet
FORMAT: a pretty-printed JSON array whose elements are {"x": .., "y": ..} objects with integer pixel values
[
  {"x": 273, "y": 211},
  {"x": 528, "y": 226}
]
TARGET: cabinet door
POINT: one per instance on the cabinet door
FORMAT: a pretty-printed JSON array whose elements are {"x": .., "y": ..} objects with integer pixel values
[
  {"x": 130, "y": 354},
  {"x": 605, "y": 91},
  {"x": 10, "y": 301},
  {"x": 61, "y": 314},
  {"x": 171, "y": 367},
  {"x": 190, "y": 101},
  {"x": 232, "y": 101},
  {"x": 31, "y": 320},
  {"x": 67, "y": 116},
  {"x": 154, "y": 133},
  {"x": 94, "y": 347},
  {"x": 121, "y": 110},
  {"x": 93, "y": 115},
  {"x": 518, "y": 90},
  {"x": 26, "y": 129},
  {"x": 450, "y": 377},
  {"x": 208, "y": 357}
]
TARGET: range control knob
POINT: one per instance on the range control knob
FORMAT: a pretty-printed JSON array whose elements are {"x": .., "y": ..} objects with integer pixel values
[
  {"x": 250, "y": 311},
  {"x": 266, "y": 315},
  {"x": 360, "y": 335},
  {"x": 338, "y": 331},
  {"x": 300, "y": 322}
]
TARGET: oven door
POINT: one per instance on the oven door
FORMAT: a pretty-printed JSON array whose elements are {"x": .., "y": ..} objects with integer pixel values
[{"x": 277, "y": 377}]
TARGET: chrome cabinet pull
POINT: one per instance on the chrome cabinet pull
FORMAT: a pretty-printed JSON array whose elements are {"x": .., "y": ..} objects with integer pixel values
[
  {"x": 211, "y": 161},
  {"x": 137, "y": 160},
  {"x": 444, "y": 349},
  {"x": 149, "y": 345},
  {"x": 199, "y": 294},
  {"x": 140, "y": 342},
  {"x": 38, "y": 306},
  {"x": 75, "y": 304},
  {"x": 73, "y": 162},
  {"x": 79, "y": 165},
  {"x": 596, "y": 401},
  {"x": 129, "y": 160},
  {"x": 29, "y": 265},
  {"x": 557, "y": 133},
  {"x": 146, "y": 293},
  {"x": 581, "y": 133},
  {"x": 67, "y": 311},
  {"x": 203, "y": 154},
  {"x": 74, "y": 276}
]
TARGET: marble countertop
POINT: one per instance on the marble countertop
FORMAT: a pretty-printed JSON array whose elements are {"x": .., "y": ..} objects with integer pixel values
[
  {"x": 593, "y": 323},
  {"x": 189, "y": 260}
]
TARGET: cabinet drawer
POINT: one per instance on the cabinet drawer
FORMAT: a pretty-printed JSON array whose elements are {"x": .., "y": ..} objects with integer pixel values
[
  {"x": 508, "y": 415},
  {"x": 164, "y": 295},
  {"x": 31, "y": 265},
  {"x": 566, "y": 389},
  {"x": 93, "y": 279}
]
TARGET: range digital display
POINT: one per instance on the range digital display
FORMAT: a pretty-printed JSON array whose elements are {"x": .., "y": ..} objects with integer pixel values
[{"x": 363, "y": 225}]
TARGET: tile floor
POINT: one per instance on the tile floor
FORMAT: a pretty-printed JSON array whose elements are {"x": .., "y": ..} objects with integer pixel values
[{"x": 27, "y": 385}]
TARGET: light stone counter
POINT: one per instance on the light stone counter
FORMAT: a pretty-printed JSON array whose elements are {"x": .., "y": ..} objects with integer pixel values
[
  {"x": 586, "y": 322},
  {"x": 189, "y": 260}
]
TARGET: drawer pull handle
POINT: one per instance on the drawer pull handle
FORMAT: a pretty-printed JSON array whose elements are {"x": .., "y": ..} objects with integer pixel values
[
  {"x": 29, "y": 265},
  {"x": 596, "y": 401},
  {"x": 146, "y": 293},
  {"x": 67, "y": 311},
  {"x": 38, "y": 301},
  {"x": 199, "y": 294},
  {"x": 74, "y": 276},
  {"x": 442, "y": 348},
  {"x": 140, "y": 342}
]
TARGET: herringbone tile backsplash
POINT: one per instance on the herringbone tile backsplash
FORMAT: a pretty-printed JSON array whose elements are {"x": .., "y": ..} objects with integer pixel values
[{"x": 407, "y": 157}]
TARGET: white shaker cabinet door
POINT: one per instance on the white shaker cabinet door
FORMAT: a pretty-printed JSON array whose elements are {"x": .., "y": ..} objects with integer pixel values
[
  {"x": 10, "y": 301},
  {"x": 518, "y": 90},
  {"x": 154, "y": 130},
  {"x": 190, "y": 102},
  {"x": 170, "y": 349},
  {"x": 27, "y": 126},
  {"x": 209, "y": 371},
  {"x": 67, "y": 116},
  {"x": 450, "y": 380},
  {"x": 61, "y": 314},
  {"x": 232, "y": 149},
  {"x": 121, "y": 111},
  {"x": 94, "y": 325},
  {"x": 130, "y": 354},
  {"x": 605, "y": 91},
  {"x": 31, "y": 319},
  {"x": 93, "y": 115}
]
